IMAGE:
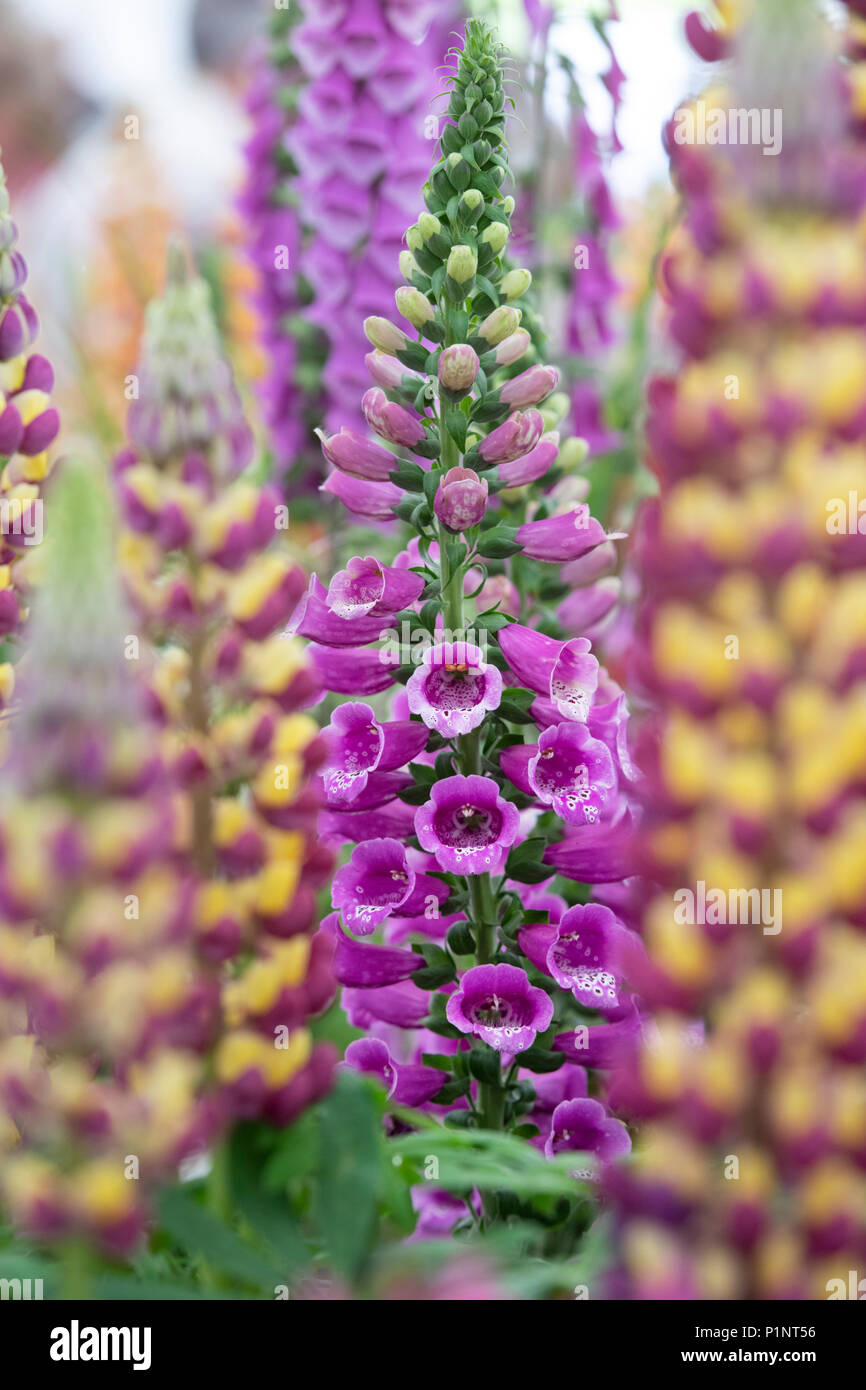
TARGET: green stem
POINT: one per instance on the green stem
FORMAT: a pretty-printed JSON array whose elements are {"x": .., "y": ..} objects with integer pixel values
[
  {"x": 219, "y": 1203},
  {"x": 76, "y": 1263}
]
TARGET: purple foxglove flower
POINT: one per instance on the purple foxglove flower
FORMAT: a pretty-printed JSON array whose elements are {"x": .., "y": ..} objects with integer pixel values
[
  {"x": 454, "y": 688},
  {"x": 467, "y": 826},
  {"x": 600, "y": 853},
  {"x": 602, "y": 1045},
  {"x": 315, "y": 619},
  {"x": 402, "y": 1005},
  {"x": 366, "y": 586},
  {"x": 376, "y": 881},
  {"x": 394, "y": 820},
  {"x": 563, "y": 671},
  {"x": 589, "y": 566},
  {"x": 498, "y": 1004},
  {"x": 585, "y": 952},
  {"x": 530, "y": 387},
  {"x": 362, "y": 458},
  {"x": 379, "y": 790},
  {"x": 458, "y": 367},
  {"x": 351, "y": 670},
  {"x": 559, "y": 538},
  {"x": 359, "y": 745},
  {"x": 513, "y": 438},
  {"x": 585, "y": 607},
  {"x": 586, "y": 955},
  {"x": 584, "y": 1126},
  {"x": 572, "y": 772},
  {"x": 531, "y": 466},
  {"x": 407, "y": 1084},
  {"x": 366, "y": 498},
  {"x": 461, "y": 499},
  {"x": 363, "y": 965},
  {"x": 393, "y": 422}
]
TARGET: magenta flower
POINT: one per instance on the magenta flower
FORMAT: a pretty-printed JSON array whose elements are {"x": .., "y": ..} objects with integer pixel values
[
  {"x": 564, "y": 537},
  {"x": 584, "y": 1126},
  {"x": 454, "y": 688},
  {"x": 367, "y": 586},
  {"x": 467, "y": 825},
  {"x": 358, "y": 745},
  {"x": 573, "y": 772},
  {"x": 362, "y": 458},
  {"x": 513, "y": 438},
  {"x": 565, "y": 672},
  {"x": 376, "y": 881},
  {"x": 498, "y": 1004},
  {"x": 406, "y": 1084},
  {"x": 532, "y": 466},
  {"x": 461, "y": 499},
  {"x": 362, "y": 964},
  {"x": 374, "y": 500},
  {"x": 585, "y": 955}
]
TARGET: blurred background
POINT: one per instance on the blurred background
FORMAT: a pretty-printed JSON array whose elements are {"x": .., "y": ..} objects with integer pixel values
[{"x": 121, "y": 125}]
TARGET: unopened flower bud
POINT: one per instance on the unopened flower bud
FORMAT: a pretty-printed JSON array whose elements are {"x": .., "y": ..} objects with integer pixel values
[
  {"x": 573, "y": 454},
  {"x": 384, "y": 334},
  {"x": 414, "y": 239},
  {"x": 462, "y": 264},
  {"x": 508, "y": 205},
  {"x": 496, "y": 235},
  {"x": 515, "y": 283},
  {"x": 458, "y": 367},
  {"x": 512, "y": 348},
  {"x": 472, "y": 199},
  {"x": 413, "y": 305},
  {"x": 461, "y": 499},
  {"x": 408, "y": 264},
  {"x": 500, "y": 324},
  {"x": 530, "y": 387},
  {"x": 428, "y": 225}
]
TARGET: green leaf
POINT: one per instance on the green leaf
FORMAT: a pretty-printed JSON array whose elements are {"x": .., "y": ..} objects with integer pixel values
[
  {"x": 203, "y": 1235},
  {"x": 350, "y": 1173},
  {"x": 455, "y": 423},
  {"x": 498, "y": 543},
  {"x": 539, "y": 1059}
]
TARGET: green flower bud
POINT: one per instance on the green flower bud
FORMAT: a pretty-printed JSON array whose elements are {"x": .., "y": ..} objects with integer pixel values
[
  {"x": 515, "y": 283},
  {"x": 428, "y": 225},
  {"x": 384, "y": 334},
  {"x": 414, "y": 306},
  {"x": 495, "y": 236},
  {"x": 463, "y": 263},
  {"x": 500, "y": 324},
  {"x": 414, "y": 239},
  {"x": 473, "y": 198},
  {"x": 408, "y": 264},
  {"x": 508, "y": 205},
  {"x": 573, "y": 454}
]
